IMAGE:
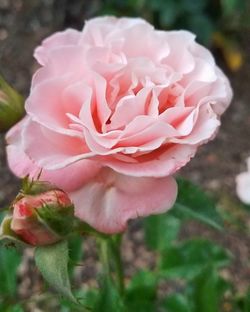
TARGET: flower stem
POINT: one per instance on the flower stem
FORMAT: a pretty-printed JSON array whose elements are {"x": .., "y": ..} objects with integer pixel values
[
  {"x": 116, "y": 253},
  {"x": 104, "y": 256},
  {"x": 110, "y": 257}
]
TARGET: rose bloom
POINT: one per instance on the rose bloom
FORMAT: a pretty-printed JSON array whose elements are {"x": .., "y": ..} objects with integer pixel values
[
  {"x": 243, "y": 184},
  {"x": 25, "y": 223},
  {"x": 113, "y": 112}
]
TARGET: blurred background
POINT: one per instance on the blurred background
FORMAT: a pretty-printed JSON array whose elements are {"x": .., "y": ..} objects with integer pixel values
[{"x": 224, "y": 27}]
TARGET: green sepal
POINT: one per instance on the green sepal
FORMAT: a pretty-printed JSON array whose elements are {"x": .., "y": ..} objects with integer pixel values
[
  {"x": 6, "y": 232},
  {"x": 59, "y": 219},
  {"x": 35, "y": 187}
]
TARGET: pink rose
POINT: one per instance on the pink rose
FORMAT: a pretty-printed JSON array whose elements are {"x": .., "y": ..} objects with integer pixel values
[
  {"x": 25, "y": 222},
  {"x": 243, "y": 184},
  {"x": 113, "y": 112}
]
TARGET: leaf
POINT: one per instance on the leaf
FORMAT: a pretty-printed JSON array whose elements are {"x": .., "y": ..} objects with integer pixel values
[
  {"x": 243, "y": 303},
  {"x": 168, "y": 13},
  {"x": 143, "y": 283},
  {"x": 231, "y": 6},
  {"x": 52, "y": 262},
  {"x": 202, "y": 25},
  {"x": 187, "y": 259},
  {"x": 206, "y": 290},
  {"x": 10, "y": 259},
  {"x": 11, "y": 308},
  {"x": 9, "y": 262},
  {"x": 176, "y": 303},
  {"x": 141, "y": 293},
  {"x": 193, "y": 203},
  {"x": 161, "y": 230},
  {"x": 87, "y": 298},
  {"x": 193, "y": 7},
  {"x": 247, "y": 302},
  {"x": 2, "y": 214}
]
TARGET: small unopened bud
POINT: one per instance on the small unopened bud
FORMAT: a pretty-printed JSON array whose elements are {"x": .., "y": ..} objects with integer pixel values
[
  {"x": 40, "y": 218},
  {"x": 11, "y": 106}
]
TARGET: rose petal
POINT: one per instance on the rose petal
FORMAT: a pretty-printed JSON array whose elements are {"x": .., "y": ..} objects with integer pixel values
[
  {"x": 109, "y": 200},
  {"x": 59, "y": 39},
  {"x": 160, "y": 163}
]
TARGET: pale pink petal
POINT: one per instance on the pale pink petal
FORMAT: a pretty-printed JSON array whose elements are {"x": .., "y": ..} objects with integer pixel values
[
  {"x": 109, "y": 200},
  {"x": 159, "y": 163},
  {"x": 130, "y": 107},
  {"x": 68, "y": 61},
  {"x": 54, "y": 150},
  {"x": 68, "y": 178},
  {"x": 59, "y": 39},
  {"x": 180, "y": 58},
  {"x": 204, "y": 128},
  {"x": 44, "y": 104},
  {"x": 74, "y": 176}
]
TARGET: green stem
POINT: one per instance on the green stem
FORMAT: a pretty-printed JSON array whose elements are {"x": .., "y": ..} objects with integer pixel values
[
  {"x": 110, "y": 256},
  {"x": 85, "y": 229},
  {"x": 104, "y": 256},
  {"x": 116, "y": 252}
]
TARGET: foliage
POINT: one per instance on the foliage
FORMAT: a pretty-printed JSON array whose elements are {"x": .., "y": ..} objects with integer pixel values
[
  {"x": 10, "y": 259},
  {"x": 186, "y": 278},
  {"x": 52, "y": 261}
]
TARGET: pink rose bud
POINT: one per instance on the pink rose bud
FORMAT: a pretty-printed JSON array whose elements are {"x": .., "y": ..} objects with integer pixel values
[
  {"x": 11, "y": 106},
  {"x": 43, "y": 218}
]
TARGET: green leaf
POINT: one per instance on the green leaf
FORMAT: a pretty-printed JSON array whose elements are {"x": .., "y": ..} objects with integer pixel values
[
  {"x": 243, "y": 303},
  {"x": 87, "y": 298},
  {"x": 231, "y": 6},
  {"x": 202, "y": 26},
  {"x": 193, "y": 203},
  {"x": 142, "y": 284},
  {"x": 193, "y": 7},
  {"x": 206, "y": 291},
  {"x": 188, "y": 259},
  {"x": 2, "y": 214},
  {"x": 11, "y": 308},
  {"x": 176, "y": 303},
  {"x": 247, "y": 302},
  {"x": 9, "y": 262},
  {"x": 141, "y": 292},
  {"x": 169, "y": 12},
  {"x": 161, "y": 230},
  {"x": 52, "y": 261}
]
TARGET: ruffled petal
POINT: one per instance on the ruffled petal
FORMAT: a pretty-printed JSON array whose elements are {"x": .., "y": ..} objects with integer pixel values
[{"x": 59, "y": 39}]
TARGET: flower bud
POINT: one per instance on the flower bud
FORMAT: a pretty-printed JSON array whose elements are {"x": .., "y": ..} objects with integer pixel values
[
  {"x": 40, "y": 218},
  {"x": 11, "y": 106}
]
